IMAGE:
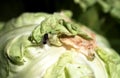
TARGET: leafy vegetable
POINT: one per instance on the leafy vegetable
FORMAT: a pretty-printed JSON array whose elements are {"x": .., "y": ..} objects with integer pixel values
[{"x": 54, "y": 46}]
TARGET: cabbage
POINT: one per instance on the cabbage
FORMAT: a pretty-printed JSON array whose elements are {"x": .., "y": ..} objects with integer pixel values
[{"x": 41, "y": 45}]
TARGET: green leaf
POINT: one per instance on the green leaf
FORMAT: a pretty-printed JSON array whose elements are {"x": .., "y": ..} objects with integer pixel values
[
  {"x": 111, "y": 60},
  {"x": 84, "y": 4},
  {"x": 66, "y": 67},
  {"x": 15, "y": 49},
  {"x": 25, "y": 19},
  {"x": 56, "y": 29}
]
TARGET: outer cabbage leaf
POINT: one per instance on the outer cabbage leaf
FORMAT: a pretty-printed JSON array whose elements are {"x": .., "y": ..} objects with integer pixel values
[
  {"x": 111, "y": 60},
  {"x": 8, "y": 65},
  {"x": 26, "y": 19}
]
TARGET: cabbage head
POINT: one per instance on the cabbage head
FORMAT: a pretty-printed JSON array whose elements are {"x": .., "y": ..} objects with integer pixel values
[{"x": 41, "y": 45}]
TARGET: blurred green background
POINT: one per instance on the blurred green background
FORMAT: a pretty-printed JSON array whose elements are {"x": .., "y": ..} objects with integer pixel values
[{"x": 102, "y": 16}]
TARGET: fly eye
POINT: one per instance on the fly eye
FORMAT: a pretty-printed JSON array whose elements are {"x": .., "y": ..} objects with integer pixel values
[{"x": 45, "y": 38}]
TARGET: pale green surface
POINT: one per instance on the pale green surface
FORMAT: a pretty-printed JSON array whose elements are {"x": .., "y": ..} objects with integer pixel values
[{"x": 66, "y": 67}]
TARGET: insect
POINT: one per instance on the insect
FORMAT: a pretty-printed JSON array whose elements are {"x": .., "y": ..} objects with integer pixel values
[{"x": 45, "y": 38}]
